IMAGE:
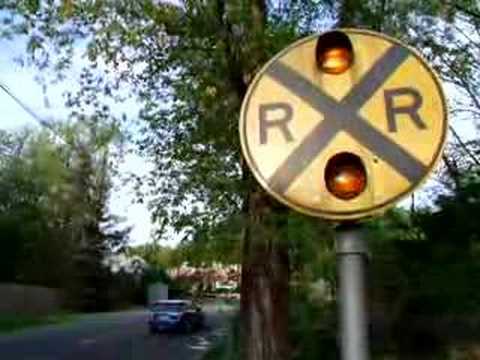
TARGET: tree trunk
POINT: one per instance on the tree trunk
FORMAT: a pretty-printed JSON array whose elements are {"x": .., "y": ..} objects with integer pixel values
[
  {"x": 265, "y": 261},
  {"x": 265, "y": 283}
]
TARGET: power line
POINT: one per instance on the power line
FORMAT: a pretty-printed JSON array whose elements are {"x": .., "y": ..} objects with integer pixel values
[{"x": 26, "y": 108}]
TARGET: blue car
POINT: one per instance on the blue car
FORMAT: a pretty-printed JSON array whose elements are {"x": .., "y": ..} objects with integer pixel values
[{"x": 175, "y": 315}]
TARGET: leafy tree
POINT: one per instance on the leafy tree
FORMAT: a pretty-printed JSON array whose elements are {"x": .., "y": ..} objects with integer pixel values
[
  {"x": 54, "y": 207},
  {"x": 31, "y": 179},
  {"x": 312, "y": 253},
  {"x": 220, "y": 243},
  {"x": 189, "y": 67},
  {"x": 453, "y": 232},
  {"x": 97, "y": 233},
  {"x": 425, "y": 266},
  {"x": 156, "y": 256}
]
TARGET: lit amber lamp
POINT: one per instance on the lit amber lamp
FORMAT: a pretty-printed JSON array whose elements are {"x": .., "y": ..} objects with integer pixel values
[
  {"x": 345, "y": 176},
  {"x": 334, "y": 53},
  {"x": 336, "y": 60}
]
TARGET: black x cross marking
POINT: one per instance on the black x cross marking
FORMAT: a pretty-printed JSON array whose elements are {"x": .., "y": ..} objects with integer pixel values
[{"x": 342, "y": 116}]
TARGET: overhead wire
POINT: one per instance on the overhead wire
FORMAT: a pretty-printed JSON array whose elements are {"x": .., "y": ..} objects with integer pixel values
[{"x": 43, "y": 122}]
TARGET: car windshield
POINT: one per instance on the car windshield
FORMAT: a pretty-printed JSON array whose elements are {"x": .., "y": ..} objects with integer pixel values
[{"x": 169, "y": 307}]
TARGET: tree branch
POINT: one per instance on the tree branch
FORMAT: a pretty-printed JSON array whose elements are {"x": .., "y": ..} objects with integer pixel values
[
  {"x": 452, "y": 170},
  {"x": 464, "y": 146},
  {"x": 467, "y": 11}
]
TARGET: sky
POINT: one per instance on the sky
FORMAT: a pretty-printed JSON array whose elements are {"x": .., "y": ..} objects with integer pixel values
[{"x": 21, "y": 81}]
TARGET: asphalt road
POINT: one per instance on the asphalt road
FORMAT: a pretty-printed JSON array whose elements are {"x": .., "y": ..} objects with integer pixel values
[{"x": 113, "y": 336}]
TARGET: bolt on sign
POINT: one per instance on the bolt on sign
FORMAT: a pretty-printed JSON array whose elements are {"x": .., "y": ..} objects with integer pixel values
[{"x": 343, "y": 125}]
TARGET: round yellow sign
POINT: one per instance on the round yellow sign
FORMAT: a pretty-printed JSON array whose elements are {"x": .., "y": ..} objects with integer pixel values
[{"x": 386, "y": 111}]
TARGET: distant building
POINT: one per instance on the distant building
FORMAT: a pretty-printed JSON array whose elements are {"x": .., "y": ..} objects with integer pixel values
[
  {"x": 134, "y": 265},
  {"x": 215, "y": 277}
]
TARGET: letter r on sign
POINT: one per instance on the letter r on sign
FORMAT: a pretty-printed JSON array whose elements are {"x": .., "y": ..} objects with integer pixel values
[
  {"x": 275, "y": 115},
  {"x": 411, "y": 110}
]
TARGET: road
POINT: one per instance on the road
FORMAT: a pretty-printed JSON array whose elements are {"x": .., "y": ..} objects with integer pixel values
[{"x": 113, "y": 336}]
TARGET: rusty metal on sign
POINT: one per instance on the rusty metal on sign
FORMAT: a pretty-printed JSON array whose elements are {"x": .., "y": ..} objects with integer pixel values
[{"x": 388, "y": 109}]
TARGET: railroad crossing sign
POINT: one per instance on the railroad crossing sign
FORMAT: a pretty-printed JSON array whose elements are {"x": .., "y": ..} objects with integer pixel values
[{"x": 387, "y": 111}]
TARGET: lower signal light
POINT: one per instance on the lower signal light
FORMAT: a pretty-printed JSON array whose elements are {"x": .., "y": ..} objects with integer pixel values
[{"x": 345, "y": 176}]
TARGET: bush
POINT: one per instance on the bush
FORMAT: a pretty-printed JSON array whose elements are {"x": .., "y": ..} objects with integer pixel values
[
  {"x": 313, "y": 327},
  {"x": 228, "y": 347}
]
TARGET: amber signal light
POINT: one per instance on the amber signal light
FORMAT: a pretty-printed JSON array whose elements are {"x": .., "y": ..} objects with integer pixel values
[
  {"x": 334, "y": 52},
  {"x": 345, "y": 176}
]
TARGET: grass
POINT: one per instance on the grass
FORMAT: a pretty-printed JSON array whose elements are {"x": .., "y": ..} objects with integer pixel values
[
  {"x": 228, "y": 346},
  {"x": 14, "y": 322}
]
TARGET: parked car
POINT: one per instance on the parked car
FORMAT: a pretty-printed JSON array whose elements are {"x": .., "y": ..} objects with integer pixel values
[{"x": 175, "y": 315}]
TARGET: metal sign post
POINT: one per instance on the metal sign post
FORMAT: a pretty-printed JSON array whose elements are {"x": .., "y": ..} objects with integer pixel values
[{"x": 352, "y": 258}]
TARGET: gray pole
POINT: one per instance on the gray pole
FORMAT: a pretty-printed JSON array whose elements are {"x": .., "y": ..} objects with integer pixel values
[{"x": 352, "y": 256}]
